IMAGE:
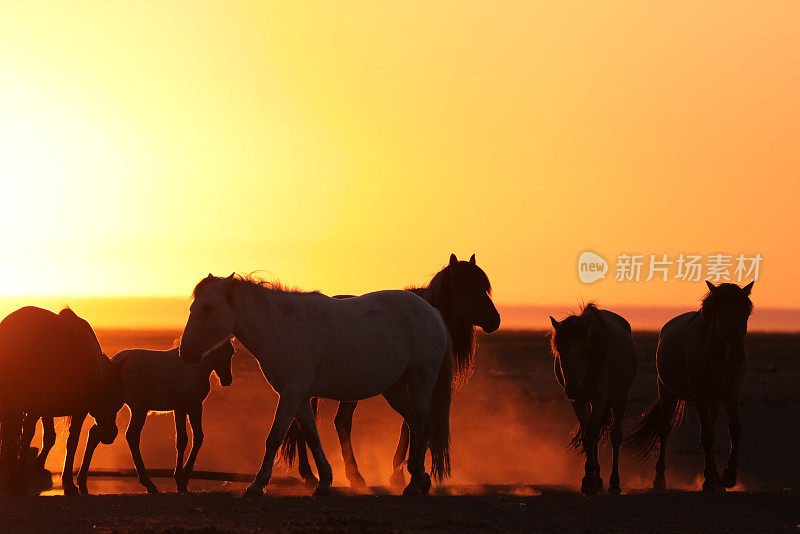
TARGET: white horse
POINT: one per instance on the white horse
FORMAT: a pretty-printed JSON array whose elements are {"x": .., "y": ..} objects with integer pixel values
[
  {"x": 309, "y": 345},
  {"x": 158, "y": 380}
]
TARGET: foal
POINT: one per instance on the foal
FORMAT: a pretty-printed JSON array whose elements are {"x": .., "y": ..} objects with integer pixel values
[
  {"x": 595, "y": 363},
  {"x": 701, "y": 358},
  {"x": 153, "y": 380}
]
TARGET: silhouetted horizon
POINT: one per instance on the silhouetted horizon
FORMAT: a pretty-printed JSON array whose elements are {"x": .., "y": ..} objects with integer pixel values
[{"x": 170, "y": 312}]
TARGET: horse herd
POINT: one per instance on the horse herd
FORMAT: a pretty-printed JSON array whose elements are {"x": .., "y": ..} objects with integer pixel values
[{"x": 412, "y": 346}]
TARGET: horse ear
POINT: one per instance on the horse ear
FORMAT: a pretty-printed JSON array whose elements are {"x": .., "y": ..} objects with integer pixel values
[
  {"x": 472, "y": 259},
  {"x": 453, "y": 260},
  {"x": 748, "y": 288},
  {"x": 230, "y": 276},
  {"x": 210, "y": 275},
  {"x": 555, "y": 323},
  {"x": 711, "y": 286}
]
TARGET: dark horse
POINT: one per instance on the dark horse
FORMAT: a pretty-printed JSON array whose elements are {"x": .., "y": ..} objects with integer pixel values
[
  {"x": 461, "y": 292},
  {"x": 595, "y": 363},
  {"x": 51, "y": 365},
  {"x": 701, "y": 358}
]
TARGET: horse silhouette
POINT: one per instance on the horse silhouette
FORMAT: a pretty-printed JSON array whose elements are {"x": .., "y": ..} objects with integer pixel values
[
  {"x": 701, "y": 358},
  {"x": 461, "y": 292},
  {"x": 51, "y": 365},
  {"x": 158, "y": 380},
  {"x": 309, "y": 345},
  {"x": 595, "y": 361}
]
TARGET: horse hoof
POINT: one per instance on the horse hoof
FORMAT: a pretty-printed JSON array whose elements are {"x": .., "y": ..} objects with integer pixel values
[
  {"x": 412, "y": 491},
  {"x": 709, "y": 486},
  {"x": 614, "y": 490},
  {"x": 660, "y": 484},
  {"x": 152, "y": 490},
  {"x": 599, "y": 484},
  {"x": 425, "y": 483},
  {"x": 358, "y": 484},
  {"x": 589, "y": 486},
  {"x": 253, "y": 493},
  {"x": 397, "y": 480},
  {"x": 183, "y": 489},
  {"x": 322, "y": 491},
  {"x": 728, "y": 478},
  {"x": 82, "y": 489},
  {"x": 70, "y": 490}
]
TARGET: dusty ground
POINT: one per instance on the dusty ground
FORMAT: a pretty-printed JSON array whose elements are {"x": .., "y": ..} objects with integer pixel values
[{"x": 510, "y": 467}]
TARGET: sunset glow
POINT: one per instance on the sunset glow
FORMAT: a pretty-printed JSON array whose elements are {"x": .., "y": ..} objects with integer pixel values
[{"x": 349, "y": 148}]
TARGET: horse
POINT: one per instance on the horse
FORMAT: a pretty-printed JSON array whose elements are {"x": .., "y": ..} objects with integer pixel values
[
  {"x": 51, "y": 365},
  {"x": 310, "y": 345},
  {"x": 461, "y": 292},
  {"x": 595, "y": 362},
  {"x": 156, "y": 380},
  {"x": 701, "y": 358}
]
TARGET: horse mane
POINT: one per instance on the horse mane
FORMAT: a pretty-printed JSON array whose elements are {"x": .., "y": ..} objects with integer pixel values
[
  {"x": 578, "y": 322},
  {"x": 251, "y": 284},
  {"x": 462, "y": 334},
  {"x": 713, "y": 301}
]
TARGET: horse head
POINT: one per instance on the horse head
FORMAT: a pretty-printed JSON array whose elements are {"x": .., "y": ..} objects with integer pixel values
[
  {"x": 211, "y": 317},
  {"x": 726, "y": 308},
  {"x": 218, "y": 360},
  {"x": 462, "y": 291},
  {"x": 572, "y": 344}
]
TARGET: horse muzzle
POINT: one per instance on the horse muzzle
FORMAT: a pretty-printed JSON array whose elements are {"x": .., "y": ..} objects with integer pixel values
[{"x": 491, "y": 325}]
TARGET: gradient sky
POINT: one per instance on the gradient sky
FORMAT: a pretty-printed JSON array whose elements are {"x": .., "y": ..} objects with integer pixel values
[{"x": 351, "y": 146}]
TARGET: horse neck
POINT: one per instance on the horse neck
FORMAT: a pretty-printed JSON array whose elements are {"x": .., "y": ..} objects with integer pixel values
[{"x": 258, "y": 320}]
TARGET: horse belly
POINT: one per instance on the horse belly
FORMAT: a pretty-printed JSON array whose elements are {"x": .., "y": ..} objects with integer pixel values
[{"x": 359, "y": 374}]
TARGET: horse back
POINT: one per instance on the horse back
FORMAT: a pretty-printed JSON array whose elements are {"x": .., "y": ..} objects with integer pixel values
[
  {"x": 621, "y": 357},
  {"x": 157, "y": 379},
  {"x": 50, "y": 363},
  {"x": 675, "y": 342}
]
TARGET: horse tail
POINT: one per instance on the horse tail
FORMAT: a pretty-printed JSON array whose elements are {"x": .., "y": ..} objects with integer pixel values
[
  {"x": 575, "y": 441},
  {"x": 293, "y": 440},
  {"x": 661, "y": 416},
  {"x": 291, "y": 443},
  {"x": 440, "y": 417}
]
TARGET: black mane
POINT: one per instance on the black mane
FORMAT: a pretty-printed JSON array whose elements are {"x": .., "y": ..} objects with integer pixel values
[{"x": 461, "y": 333}]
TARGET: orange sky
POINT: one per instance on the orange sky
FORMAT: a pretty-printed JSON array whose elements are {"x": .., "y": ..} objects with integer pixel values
[{"x": 352, "y": 146}]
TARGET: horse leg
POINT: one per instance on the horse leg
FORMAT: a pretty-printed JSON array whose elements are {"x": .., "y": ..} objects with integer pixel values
[
  {"x": 133, "y": 436},
  {"x": 618, "y": 407},
  {"x": 196, "y": 420},
  {"x": 398, "y": 479},
  {"x": 305, "y": 417},
  {"x": 667, "y": 403},
  {"x": 48, "y": 440},
  {"x": 12, "y": 472},
  {"x": 735, "y": 432},
  {"x": 708, "y": 412},
  {"x": 303, "y": 465},
  {"x": 288, "y": 405},
  {"x": 91, "y": 444},
  {"x": 181, "y": 441},
  {"x": 413, "y": 403},
  {"x": 344, "y": 426},
  {"x": 588, "y": 483},
  {"x": 75, "y": 426}
]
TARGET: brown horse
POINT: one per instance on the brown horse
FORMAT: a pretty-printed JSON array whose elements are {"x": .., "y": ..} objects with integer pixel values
[
  {"x": 461, "y": 292},
  {"x": 51, "y": 365},
  {"x": 701, "y": 358},
  {"x": 595, "y": 362}
]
